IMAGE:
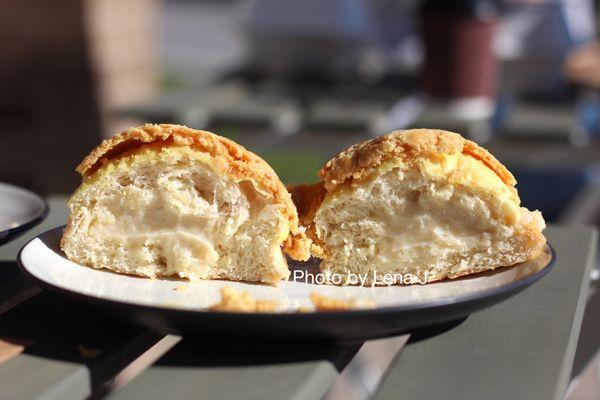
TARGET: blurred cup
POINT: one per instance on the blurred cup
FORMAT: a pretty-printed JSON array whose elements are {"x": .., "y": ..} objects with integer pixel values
[{"x": 458, "y": 37}]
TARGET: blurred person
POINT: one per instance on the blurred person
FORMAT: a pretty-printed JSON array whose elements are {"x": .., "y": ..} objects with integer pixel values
[
  {"x": 536, "y": 37},
  {"x": 64, "y": 67},
  {"x": 48, "y": 107}
]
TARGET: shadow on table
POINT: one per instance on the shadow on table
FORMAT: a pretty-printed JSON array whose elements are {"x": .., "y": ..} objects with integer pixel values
[
  {"x": 235, "y": 351},
  {"x": 428, "y": 332},
  {"x": 54, "y": 327},
  {"x": 223, "y": 352},
  {"x": 50, "y": 327}
]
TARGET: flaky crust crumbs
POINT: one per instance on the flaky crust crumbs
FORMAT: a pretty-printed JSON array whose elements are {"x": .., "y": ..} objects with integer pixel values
[
  {"x": 324, "y": 303},
  {"x": 233, "y": 300}
]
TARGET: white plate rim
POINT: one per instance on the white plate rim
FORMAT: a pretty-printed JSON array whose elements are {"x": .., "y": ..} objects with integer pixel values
[{"x": 513, "y": 286}]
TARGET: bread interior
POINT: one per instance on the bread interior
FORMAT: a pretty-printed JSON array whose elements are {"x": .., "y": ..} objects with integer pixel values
[
  {"x": 163, "y": 211},
  {"x": 406, "y": 222}
]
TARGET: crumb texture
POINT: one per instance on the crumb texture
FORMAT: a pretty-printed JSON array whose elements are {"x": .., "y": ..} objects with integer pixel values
[
  {"x": 422, "y": 202},
  {"x": 167, "y": 211},
  {"x": 226, "y": 157}
]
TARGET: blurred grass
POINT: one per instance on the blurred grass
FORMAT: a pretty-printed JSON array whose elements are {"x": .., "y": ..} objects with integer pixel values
[{"x": 293, "y": 166}]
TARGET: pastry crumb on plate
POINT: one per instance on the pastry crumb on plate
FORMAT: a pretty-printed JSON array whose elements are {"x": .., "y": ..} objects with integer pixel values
[
  {"x": 325, "y": 303},
  {"x": 233, "y": 300}
]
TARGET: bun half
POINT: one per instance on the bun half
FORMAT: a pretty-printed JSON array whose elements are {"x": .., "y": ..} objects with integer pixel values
[
  {"x": 422, "y": 202},
  {"x": 167, "y": 200}
]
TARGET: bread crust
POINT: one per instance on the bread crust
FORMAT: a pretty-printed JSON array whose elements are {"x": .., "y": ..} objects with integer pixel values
[
  {"x": 437, "y": 153},
  {"x": 360, "y": 161},
  {"x": 307, "y": 199},
  {"x": 227, "y": 157}
]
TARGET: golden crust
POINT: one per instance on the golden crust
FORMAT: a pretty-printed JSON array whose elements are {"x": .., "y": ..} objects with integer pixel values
[
  {"x": 307, "y": 199},
  {"x": 227, "y": 156},
  {"x": 436, "y": 153},
  {"x": 363, "y": 161},
  {"x": 360, "y": 161}
]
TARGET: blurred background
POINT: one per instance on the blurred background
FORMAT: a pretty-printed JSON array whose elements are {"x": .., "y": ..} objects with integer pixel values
[{"x": 297, "y": 81}]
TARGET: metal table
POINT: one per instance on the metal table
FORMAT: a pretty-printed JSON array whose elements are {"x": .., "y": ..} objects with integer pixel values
[{"x": 54, "y": 348}]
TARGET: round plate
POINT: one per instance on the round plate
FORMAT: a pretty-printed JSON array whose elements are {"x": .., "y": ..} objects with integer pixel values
[
  {"x": 180, "y": 306},
  {"x": 20, "y": 210}
]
